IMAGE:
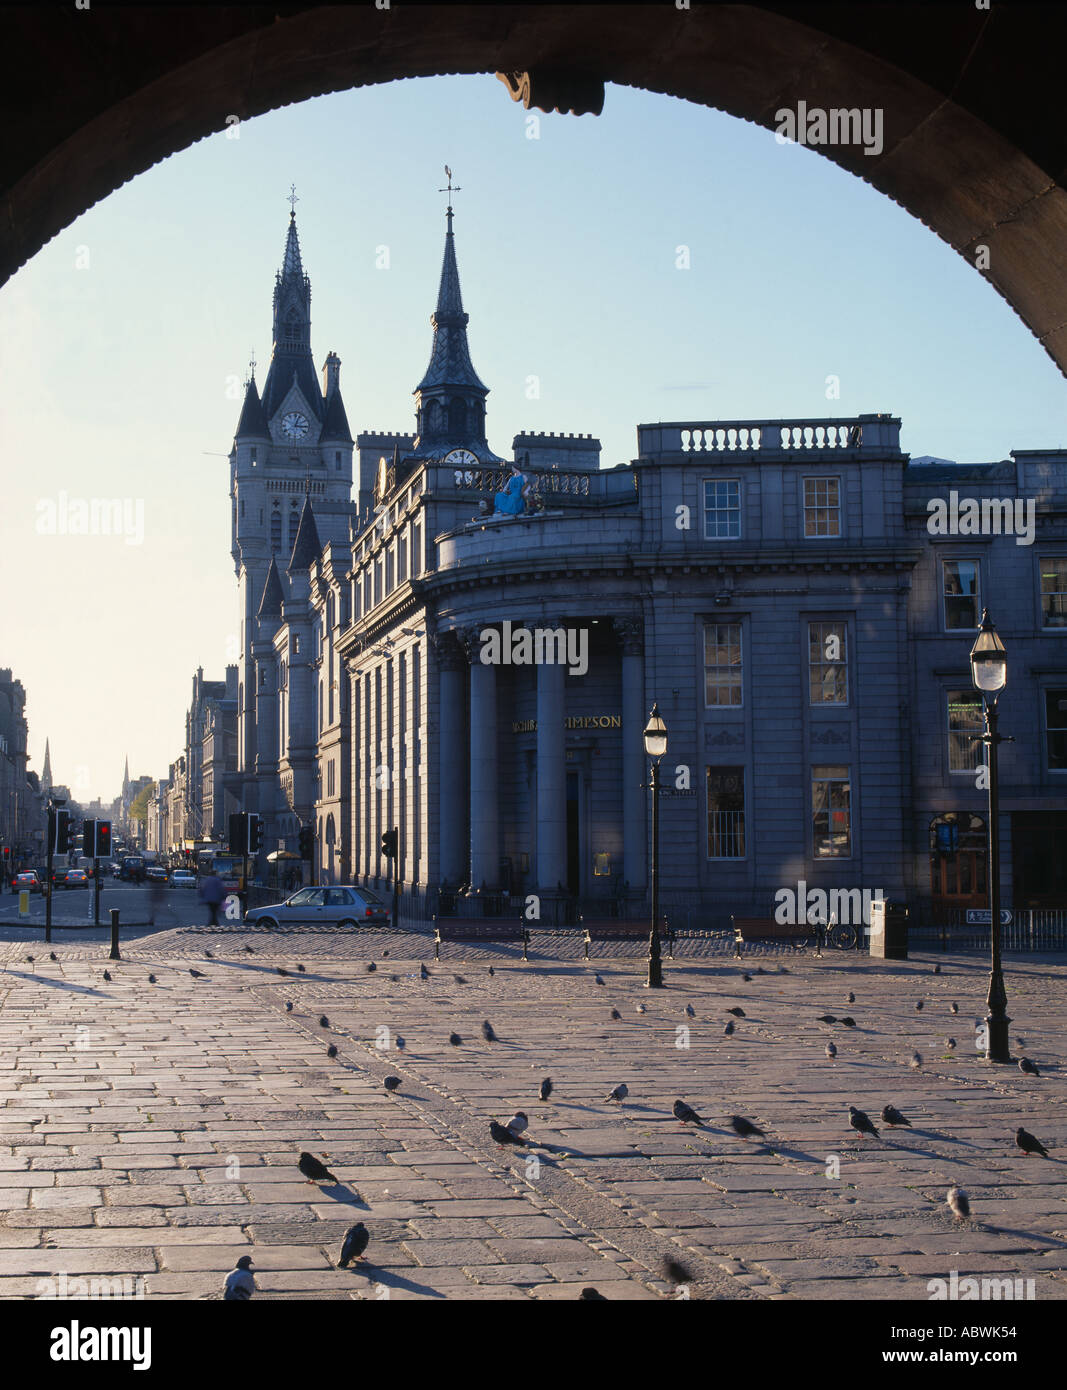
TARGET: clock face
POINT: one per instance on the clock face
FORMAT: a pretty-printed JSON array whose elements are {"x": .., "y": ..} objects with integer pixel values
[
  {"x": 294, "y": 425},
  {"x": 462, "y": 458}
]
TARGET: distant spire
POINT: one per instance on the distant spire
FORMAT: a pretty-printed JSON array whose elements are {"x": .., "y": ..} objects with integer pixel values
[
  {"x": 291, "y": 261},
  {"x": 46, "y": 775},
  {"x": 126, "y": 777}
]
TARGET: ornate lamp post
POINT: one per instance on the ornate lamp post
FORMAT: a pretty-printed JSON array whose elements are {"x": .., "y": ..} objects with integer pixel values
[
  {"x": 655, "y": 736},
  {"x": 989, "y": 672}
]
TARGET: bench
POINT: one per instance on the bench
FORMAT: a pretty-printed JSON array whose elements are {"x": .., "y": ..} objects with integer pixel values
[
  {"x": 479, "y": 929},
  {"x": 798, "y": 934},
  {"x": 614, "y": 929}
]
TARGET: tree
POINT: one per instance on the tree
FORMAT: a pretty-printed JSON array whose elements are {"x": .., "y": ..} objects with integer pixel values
[{"x": 139, "y": 805}]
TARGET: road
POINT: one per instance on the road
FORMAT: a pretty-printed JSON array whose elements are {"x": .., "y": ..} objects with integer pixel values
[{"x": 180, "y": 907}]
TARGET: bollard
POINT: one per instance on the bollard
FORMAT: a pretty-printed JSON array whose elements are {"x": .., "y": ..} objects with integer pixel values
[
  {"x": 24, "y": 903},
  {"x": 114, "y": 955}
]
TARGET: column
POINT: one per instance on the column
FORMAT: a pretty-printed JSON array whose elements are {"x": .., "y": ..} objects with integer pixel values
[
  {"x": 551, "y": 776},
  {"x": 451, "y": 681},
  {"x": 634, "y": 767},
  {"x": 485, "y": 819}
]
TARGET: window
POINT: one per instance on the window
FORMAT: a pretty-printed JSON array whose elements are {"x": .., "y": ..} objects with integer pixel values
[
  {"x": 960, "y": 589},
  {"x": 337, "y": 460},
  {"x": 1054, "y": 592},
  {"x": 722, "y": 664},
  {"x": 378, "y": 567},
  {"x": 726, "y": 813},
  {"x": 389, "y": 571},
  {"x": 253, "y": 456},
  {"x": 331, "y": 778},
  {"x": 242, "y": 507},
  {"x": 831, "y": 815},
  {"x": 296, "y": 644},
  {"x": 828, "y": 663},
  {"x": 1056, "y": 729},
  {"x": 294, "y": 522},
  {"x": 402, "y": 560},
  {"x": 722, "y": 509},
  {"x": 965, "y": 752},
  {"x": 275, "y": 529},
  {"x": 822, "y": 507}
]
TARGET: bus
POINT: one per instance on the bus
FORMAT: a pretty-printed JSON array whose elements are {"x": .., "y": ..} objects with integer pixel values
[{"x": 229, "y": 867}]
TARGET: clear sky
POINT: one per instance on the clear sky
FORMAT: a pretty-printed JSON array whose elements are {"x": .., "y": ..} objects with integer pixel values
[{"x": 124, "y": 343}]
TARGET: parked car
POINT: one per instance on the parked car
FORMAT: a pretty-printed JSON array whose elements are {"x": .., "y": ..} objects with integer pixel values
[
  {"x": 155, "y": 873},
  {"x": 343, "y": 906},
  {"x": 183, "y": 878},
  {"x": 76, "y": 878},
  {"x": 27, "y": 881}
]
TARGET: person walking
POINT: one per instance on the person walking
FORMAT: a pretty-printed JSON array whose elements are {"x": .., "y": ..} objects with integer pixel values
[
  {"x": 212, "y": 892},
  {"x": 155, "y": 899}
]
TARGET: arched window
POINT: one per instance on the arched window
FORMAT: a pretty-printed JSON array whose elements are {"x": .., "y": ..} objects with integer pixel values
[
  {"x": 275, "y": 530},
  {"x": 433, "y": 418},
  {"x": 292, "y": 326},
  {"x": 457, "y": 417},
  {"x": 294, "y": 522}
]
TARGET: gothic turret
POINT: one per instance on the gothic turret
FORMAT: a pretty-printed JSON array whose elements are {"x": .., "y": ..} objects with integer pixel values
[
  {"x": 450, "y": 398},
  {"x": 291, "y": 362}
]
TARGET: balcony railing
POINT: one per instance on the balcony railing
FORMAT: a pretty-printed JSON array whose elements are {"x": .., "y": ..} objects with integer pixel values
[{"x": 866, "y": 433}]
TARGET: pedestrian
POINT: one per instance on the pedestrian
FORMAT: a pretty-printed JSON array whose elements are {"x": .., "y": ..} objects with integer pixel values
[
  {"x": 155, "y": 899},
  {"x": 212, "y": 892}
]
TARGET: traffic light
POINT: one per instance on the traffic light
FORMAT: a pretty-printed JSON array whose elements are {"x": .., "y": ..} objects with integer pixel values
[
  {"x": 62, "y": 832},
  {"x": 389, "y": 845},
  {"x": 307, "y": 842},
  {"x": 89, "y": 838},
  {"x": 238, "y": 833},
  {"x": 255, "y": 832},
  {"x": 103, "y": 840}
]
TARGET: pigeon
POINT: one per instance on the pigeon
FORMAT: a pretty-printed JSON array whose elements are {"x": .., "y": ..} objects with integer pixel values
[
  {"x": 460, "y": 979},
  {"x": 916, "y": 1060},
  {"x": 250, "y": 951},
  {"x": 400, "y": 1043},
  {"x": 107, "y": 976},
  {"x": 288, "y": 1006},
  {"x": 197, "y": 974},
  {"x": 848, "y": 1021},
  {"x": 52, "y": 955},
  {"x": 487, "y": 1032},
  {"x": 737, "y": 1013},
  {"x": 728, "y": 1030},
  {"x": 301, "y": 969},
  {"x": 1029, "y": 1144},
  {"x": 209, "y": 955},
  {"x": 424, "y": 974},
  {"x": 851, "y": 998},
  {"x": 503, "y": 1136},
  {"x": 280, "y": 971},
  {"x": 240, "y": 1285},
  {"x": 31, "y": 959},
  {"x": 591, "y": 1295},
  {"x": 674, "y": 1271},
  {"x": 385, "y": 952},
  {"x": 546, "y": 1088},
  {"x": 690, "y": 1012},
  {"x": 391, "y": 1083},
  {"x": 953, "y": 1008},
  {"x": 355, "y": 1242},
  {"x": 686, "y": 1114},
  {"x": 371, "y": 967},
  {"x": 615, "y": 1013},
  {"x": 152, "y": 980},
  {"x": 1028, "y": 1067},
  {"x": 918, "y": 1006},
  {"x": 599, "y": 979},
  {"x": 958, "y": 1203},
  {"x": 951, "y": 1044},
  {"x": 1022, "y": 1042},
  {"x": 518, "y": 1122},
  {"x": 861, "y": 1122},
  {"x": 492, "y": 971},
  {"x": 455, "y": 1039},
  {"x": 745, "y": 1128},
  {"x": 892, "y": 1116},
  {"x": 313, "y": 1170},
  {"x": 324, "y": 1022},
  {"x": 827, "y": 1018},
  {"x": 937, "y": 970},
  {"x": 331, "y": 1051},
  {"x": 619, "y": 1092},
  {"x": 639, "y": 1008},
  {"x": 831, "y": 1051}
]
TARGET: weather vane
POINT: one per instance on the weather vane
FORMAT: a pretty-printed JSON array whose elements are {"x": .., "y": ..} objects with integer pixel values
[
  {"x": 292, "y": 200},
  {"x": 450, "y": 189}
]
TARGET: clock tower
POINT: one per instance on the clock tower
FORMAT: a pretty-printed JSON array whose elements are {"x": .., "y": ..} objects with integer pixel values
[
  {"x": 292, "y": 442},
  {"x": 450, "y": 398}
]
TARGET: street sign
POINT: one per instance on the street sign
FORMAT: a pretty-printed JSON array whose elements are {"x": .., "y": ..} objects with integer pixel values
[{"x": 982, "y": 917}]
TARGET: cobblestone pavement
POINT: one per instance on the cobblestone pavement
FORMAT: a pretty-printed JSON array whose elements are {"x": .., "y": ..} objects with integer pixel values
[{"x": 151, "y": 1131}]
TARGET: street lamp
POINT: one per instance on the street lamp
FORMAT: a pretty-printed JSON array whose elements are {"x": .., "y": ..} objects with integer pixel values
[
  {"x": 655, "y": 736},
  {"x": 989, "y": 672}
]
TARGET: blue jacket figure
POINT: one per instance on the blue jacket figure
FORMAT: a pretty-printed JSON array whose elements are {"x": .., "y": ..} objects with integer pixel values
[{"x": 511, "y": 500}]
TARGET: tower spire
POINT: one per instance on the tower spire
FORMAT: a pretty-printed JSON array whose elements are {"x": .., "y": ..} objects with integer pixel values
[
  {"x": 291, "y": 359},
  {"x": 46, "y": 772}
]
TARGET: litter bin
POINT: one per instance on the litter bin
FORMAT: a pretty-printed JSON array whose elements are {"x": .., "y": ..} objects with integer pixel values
[{"x": 889, "y": 930}]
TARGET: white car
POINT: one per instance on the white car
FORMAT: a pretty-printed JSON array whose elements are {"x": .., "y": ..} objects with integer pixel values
[{"x": 183, "y": 878}]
